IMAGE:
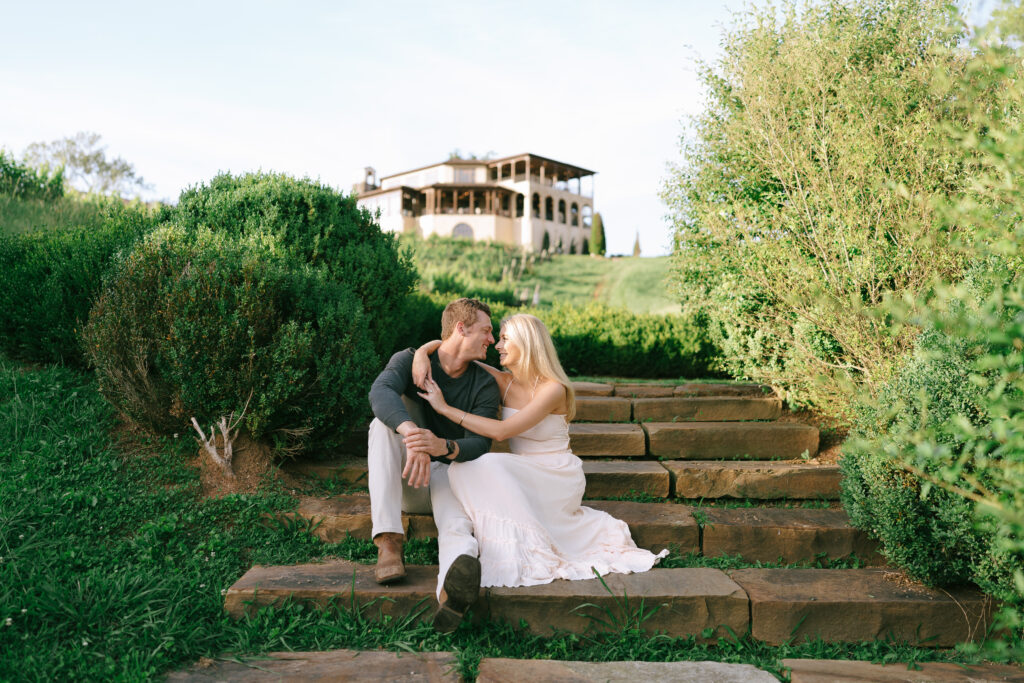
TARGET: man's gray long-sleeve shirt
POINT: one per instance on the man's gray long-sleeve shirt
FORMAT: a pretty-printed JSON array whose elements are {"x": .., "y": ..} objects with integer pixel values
[{"x": 474, "y": 391}]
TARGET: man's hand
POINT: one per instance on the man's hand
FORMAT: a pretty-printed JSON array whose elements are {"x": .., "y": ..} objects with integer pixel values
[
  {"x": 417, "y": 468},
  {"x": 420, "y": 369},
  {"x": 424, "y": 440}
]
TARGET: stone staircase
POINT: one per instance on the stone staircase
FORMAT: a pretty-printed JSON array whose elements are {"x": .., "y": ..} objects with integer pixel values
[{"x": 668, "y": 446}]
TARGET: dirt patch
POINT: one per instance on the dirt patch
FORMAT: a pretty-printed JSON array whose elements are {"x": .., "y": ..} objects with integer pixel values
[
  {"x": 832, "y": 434},
  {"x": 253, "y": 466}
]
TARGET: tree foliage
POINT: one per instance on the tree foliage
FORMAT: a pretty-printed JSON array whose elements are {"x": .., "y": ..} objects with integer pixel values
[
  {"x": 84, "y": 164},
  {"x": 19, "y": 181},
  {"x": 597, "y": 242},
  {"x": 807, "y": 193}
]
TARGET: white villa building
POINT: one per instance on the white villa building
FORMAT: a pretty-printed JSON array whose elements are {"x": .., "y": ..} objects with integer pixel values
[{"x": 514, "y": 200}]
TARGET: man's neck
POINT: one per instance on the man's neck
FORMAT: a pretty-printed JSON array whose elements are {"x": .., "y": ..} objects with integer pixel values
[{"x": 451, "y": 362}]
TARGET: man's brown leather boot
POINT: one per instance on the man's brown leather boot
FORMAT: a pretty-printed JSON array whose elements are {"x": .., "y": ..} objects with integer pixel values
[{"x": 390, "y": 567}]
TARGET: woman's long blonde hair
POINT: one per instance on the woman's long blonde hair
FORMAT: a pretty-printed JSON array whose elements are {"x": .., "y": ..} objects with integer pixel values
[{"x": 539, "y": 358}]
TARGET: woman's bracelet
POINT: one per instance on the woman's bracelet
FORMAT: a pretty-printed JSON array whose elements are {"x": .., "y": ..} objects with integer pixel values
[{"x": 464, "y": 413}]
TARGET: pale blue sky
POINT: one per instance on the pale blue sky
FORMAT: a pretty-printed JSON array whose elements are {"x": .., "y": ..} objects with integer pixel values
[{"x": 185, "y": 90}]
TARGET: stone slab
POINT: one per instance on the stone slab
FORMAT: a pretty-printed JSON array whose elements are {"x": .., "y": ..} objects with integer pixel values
[
  {"x": 654, "y": 526},
  {"x": 547, "y": 671},
  {"x": 845, "y": 671},
  {"x": 592, "y": 389},
  {"x": 789, "y": 535},
  {"x": 608, "y": 478},
  {"x": 612, "y": 439},
  {"x": 334, "y": 665},
  {"x": 603, "y": 409},
  {"x": 732, "y": 440},
  {"x": 850, "y": 605},
  {"x": 713, "y": 389},
  {"x": 706, "y": 409},
  {"x": 687, "y": 601},
  {"x": 760, "y": 480},
  {"x": 644, "y": 390},
  {"x": 345, "y": 468}
]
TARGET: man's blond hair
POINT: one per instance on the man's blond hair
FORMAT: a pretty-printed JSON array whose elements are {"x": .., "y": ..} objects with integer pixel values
[{"x": 461, "y": 311}]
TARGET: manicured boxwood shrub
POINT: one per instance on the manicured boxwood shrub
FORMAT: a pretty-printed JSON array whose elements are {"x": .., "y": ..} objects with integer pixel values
[
  {"x": 203, "y": 323},
  {"x": 320, "y": 226},
  {"x": 929, "y": 531},
  {"x": 50, "y": 278}
]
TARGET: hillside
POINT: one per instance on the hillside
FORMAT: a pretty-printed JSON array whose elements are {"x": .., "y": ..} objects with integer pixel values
[{"x": 637, "y": 284}]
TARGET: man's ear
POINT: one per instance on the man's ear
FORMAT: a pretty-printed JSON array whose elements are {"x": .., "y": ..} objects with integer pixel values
[{"x": 460, "y": 327}]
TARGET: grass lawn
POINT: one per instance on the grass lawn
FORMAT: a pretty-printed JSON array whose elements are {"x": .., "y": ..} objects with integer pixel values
[
  {"x": 637, "y": 284},
  {"x": 112, "y": 564}
]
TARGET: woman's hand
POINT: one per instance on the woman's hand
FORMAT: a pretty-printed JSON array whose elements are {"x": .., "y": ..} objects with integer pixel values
[{"x": 432, "y": 394}]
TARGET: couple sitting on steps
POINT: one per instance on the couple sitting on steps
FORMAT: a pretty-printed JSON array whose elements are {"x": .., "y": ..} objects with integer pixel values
[{"x": 503, "y": 519}]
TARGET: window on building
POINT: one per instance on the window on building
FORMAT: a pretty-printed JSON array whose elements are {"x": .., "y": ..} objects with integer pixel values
[
  {"x": 465, "y": 175},
  {"x": 549, "y": 209},
  {"x": 587, "y": 211},
  {"x": 536, "y": 205},
  {"x": 574, "y": 214},
  {"x": 561, "y": 210},
  {"x": 520, "y": 202},
  {"x": 462, "y": 231}
]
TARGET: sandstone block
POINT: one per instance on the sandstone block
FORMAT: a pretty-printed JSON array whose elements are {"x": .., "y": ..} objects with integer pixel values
[
  {"x": 789, "y": 535},
  {"x": 592, "y": 389},
  {"x": 608, "y": 478},
  {"x": 738, "y": 440},
  {"x": 831, "y": 670},
  {"x": 845, "y": 605},
  {"x": 644, "y": 390},
  {"x": 762, "y": 480},
  {"x": 335, "y": 665},
  {"x": 547, "y": 670},
  {"x": 689, "y": 600},
  {"x": 655, "y": 526},
  {"x": 613, "y": 439},
  {"x": 603, "y": 409},
  {"x": 706, "y": 409},
  {"x": 346, "y": 468},
  {"x": 715, "y": 389}
]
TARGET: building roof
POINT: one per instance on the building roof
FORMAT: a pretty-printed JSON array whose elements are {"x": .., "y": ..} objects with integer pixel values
[{"x": 579, "y": 170}]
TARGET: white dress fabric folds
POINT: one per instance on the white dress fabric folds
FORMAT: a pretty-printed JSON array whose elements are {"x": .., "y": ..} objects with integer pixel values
[{"x": 527, "y": 518}]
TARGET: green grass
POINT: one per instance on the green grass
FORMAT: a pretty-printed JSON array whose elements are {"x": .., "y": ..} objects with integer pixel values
[
  {"x": 636, "y": 284},
  {"x": 113, "y": 565},
  {"x": 25, "y": 215}
]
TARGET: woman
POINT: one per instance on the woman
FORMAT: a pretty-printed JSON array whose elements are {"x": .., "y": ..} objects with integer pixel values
[{"x": 525, "y": 505}]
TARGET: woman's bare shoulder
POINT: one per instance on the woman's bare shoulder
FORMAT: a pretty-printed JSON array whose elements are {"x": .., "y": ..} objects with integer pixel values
[{"x": 502, "y": 377}]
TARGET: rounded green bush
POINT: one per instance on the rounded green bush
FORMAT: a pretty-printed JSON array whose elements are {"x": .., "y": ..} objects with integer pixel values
[
  {"x": 321, "y": 227},
  {"x": 928, "y": 531},
  {"x": 197, "y": 323}
]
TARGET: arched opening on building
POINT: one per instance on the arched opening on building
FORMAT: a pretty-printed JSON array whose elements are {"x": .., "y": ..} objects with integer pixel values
[
  {"x": 561, "y": 211},
  {"x": 549, "y": 209},
  {"x": 572, "y": 246},
  {"x": 536, "y": 205},
  {"x": 574, "y": 214},
  {"x": 587, "y": 215},
  {"x": 586, "y": 247},
  {"x": 520, "y": 202},
  {"x": 462, "y": 231}
]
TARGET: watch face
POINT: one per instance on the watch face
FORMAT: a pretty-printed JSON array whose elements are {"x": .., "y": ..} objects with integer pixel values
[{"x": 450, "y": 445}]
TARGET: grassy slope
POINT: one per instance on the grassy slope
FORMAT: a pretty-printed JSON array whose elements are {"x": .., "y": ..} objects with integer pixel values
[
  {"x": 637, "y": 284},
  {"x": 112, "y": 565}
]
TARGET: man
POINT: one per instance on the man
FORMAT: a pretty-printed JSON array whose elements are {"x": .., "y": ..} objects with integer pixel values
[{"x": 409, "y": 441}]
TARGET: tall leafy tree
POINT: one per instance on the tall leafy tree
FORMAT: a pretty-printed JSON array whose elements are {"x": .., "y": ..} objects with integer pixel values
[
  {"x": 85, "y": 164},
  {"x": 597, "y": 235}
]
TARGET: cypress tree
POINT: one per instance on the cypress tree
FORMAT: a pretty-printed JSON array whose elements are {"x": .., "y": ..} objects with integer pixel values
[
  {"x": 545, "y": 244},
  {"x": 597, "y": 235},
  {"x": 636, "y": 244}
]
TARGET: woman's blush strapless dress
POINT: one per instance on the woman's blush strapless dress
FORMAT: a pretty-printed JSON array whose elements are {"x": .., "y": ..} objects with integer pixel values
[{"x": 527, "y": 518}]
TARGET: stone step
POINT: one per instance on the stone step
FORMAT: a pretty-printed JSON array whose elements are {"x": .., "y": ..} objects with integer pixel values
[
  {"x": 759, "y": 480},
  {"x": 592, "y": 389},
  {"x": 607, "y": 440},
  {"x": 843, "y": 605},
  {"x": 846, "y": 671},
  {"x": 647, "y": 390},
  {"x": 733, "y": 440},
  {"x": 700, "y": 602},
  {"x": 654, "y": 526},
  {"x": 706, "y": 409},
  {"x": 778, "y": 605},
  {"x": 605, "y": 478},
  {"x": 644, "y": 390},
  {"x": 332, "y": 665},
  {"x": 549, "y": 671},
  {"x": 793, "y": 535},
  {"x": 787, "y": 535},
  {"x": 715, "y": 389},
  {"x": 603, "y": 409}
]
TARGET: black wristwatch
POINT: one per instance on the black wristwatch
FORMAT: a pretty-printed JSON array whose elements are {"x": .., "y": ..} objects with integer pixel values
[{"x": 450, "y": 445}]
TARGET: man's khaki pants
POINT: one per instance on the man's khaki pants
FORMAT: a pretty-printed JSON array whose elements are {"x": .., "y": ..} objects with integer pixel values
[{"x": 390, "y": 495}]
